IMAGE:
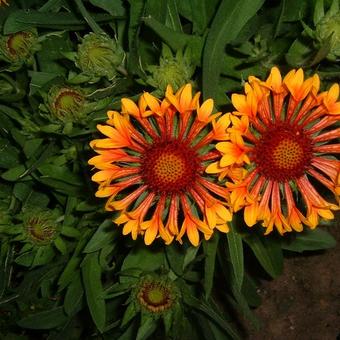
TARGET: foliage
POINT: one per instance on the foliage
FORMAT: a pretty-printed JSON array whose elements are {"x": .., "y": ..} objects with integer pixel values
[{"x": 76, "y": 281}]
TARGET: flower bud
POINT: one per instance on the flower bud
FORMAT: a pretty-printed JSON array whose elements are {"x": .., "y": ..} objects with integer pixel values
[
  {"x": 156, "y": 295},
  {"x": 40, "y": 227},
  {"x": 174, "y": 70},
  {"x": 18, "y": 48},
  {"x": 99, "y": 56},
  {"x": 65, "y": 103}
]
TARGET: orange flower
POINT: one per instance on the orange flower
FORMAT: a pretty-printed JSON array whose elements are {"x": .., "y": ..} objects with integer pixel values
[
  {"x": 4, "y": 2},
  {"x": 152, "y": 167},
  {"x": 286, "y": 148}
]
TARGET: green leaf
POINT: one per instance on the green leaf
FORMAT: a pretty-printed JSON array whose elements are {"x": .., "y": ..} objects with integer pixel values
[
  {"x": 25, "y": 259},
  {"x": 91, "y": 273},
  {"x": 43, "y": 255},
  {"x": 129, "y": 314},
  {"x": 144, "y": 258},
  {"x": 14, "y": 174},
  {"x": 175, "y": 257},
  {"x": 172, "y": 16},
  {"x": 22, "y": 191},
  {"x": 316, "y": 239},
  {"x": 88, "y": 18},
  {"x": 117, "y": 289},
  {"x": 70, "y": 232},
  {"x": 299, "y": 53},
  {"x": 6, "y": 266},
  {"x": 249, "y": 291},
  {"x": 176, "y": 40},
  {"x": 74, "y": 295},
  {"x": 63, "y": 187},
  {"x": 44, "y": 320},
  {"x": 104, "y": 235},
  {"x": 137, "y": 8},
  {"x": 60, "y": 245},
  {"x": 157, "y": 9},
  {"x": 319, "y": 11},
  {"x": 115, "y": 8},
  {"x": 243, "y": 307},
  {"x": 9, "y": 155},
  {"x": 31, "y": 146},
  {"x": 268, "y": 252},
  {"x": 36, "y": 199},
  {"x": 21, "y": 20},
  {"x": 199, "y": 14},
  {"x": 68, "y": 274},
  {"x": 190, "y": 256},
  {"x": 51, "y": 5},
  {"x": 210, "y": 312},
  {"x": 60, "y": 173},
  {"x": 231, "y": 16},
  {"x": 106, "y": 257},
  {"x": 40, "y": 79},
  {"x": 236, "y": 256},
  {"x": 210, "y": 250}
]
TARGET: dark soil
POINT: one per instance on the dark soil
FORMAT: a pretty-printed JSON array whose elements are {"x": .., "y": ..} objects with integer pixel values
[{"x": 304, "y": 302}]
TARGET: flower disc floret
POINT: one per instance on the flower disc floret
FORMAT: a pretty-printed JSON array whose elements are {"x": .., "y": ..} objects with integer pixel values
[
  {"x": 152, "y": 167},
  {"x": 287, "y": 145}
]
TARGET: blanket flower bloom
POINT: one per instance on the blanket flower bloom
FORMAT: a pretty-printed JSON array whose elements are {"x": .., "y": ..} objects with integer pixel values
[
  {"x": 152, "y": 167},
  {"x": 283, "y": 136}
]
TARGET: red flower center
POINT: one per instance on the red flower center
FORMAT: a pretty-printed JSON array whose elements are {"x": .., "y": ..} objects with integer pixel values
[
  {"x": 169, "y": 166},
  {"x": 283, "y": 152}
]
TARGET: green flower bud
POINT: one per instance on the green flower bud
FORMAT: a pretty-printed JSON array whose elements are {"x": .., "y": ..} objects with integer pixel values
[
  {"x": 65, "y": 102},
  {"x": 156, "y": 295},
  {"x": 18, "y": 48},
  {"x": 328, "y": 29},
  {"x": 99, "y": 56},
  {"x": 40, "y": 227},
  {"x": 174, "y": 70}
]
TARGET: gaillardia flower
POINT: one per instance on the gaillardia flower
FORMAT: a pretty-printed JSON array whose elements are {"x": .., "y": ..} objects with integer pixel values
[
  {"x": 152, "y": 167},
  {"x": 283, "y": 137}
]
